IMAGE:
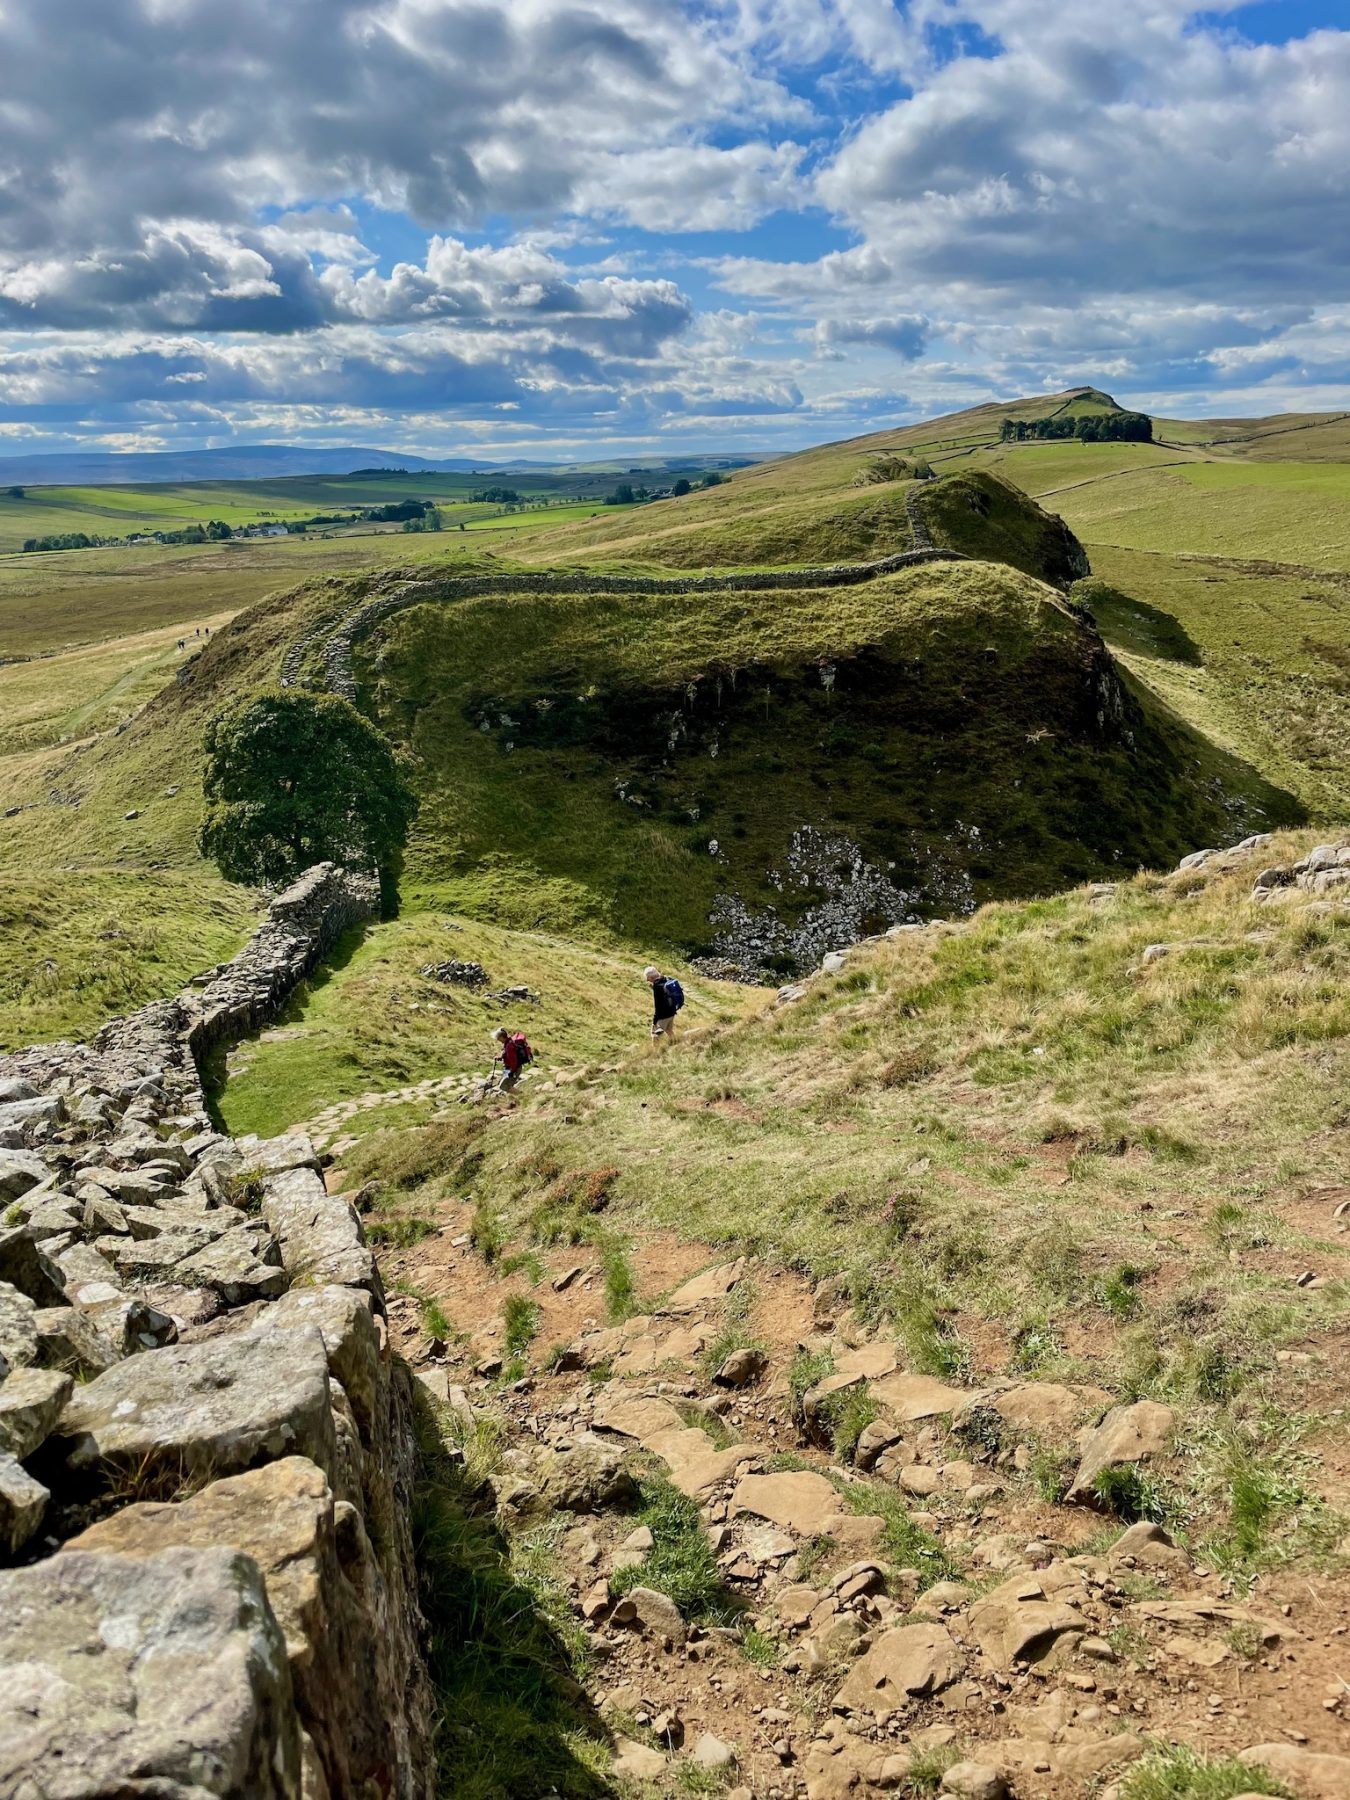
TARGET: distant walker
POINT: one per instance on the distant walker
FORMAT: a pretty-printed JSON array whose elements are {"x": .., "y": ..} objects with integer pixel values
[{"x": 667, "y": 999}]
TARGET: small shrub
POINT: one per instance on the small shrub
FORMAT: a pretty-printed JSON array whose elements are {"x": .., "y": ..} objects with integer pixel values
[
  {"x": 807, "y": 1368},
  {"x": 434, "y": 1321},
  {"x": 759, "y": 1648},
  {"x": 485, "y": 1232},
  {"x": 1116, "y": 1291},
  {"x": 621, "y": 1298},
  {"x": 905, "y": 1544},
  {"x": 399, "y": 1234}
]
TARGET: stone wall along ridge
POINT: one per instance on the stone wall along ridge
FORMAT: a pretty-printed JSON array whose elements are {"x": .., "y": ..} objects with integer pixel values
[
  {"x": 337, "y": 640},
  {"x": 207, "y": 1452}
]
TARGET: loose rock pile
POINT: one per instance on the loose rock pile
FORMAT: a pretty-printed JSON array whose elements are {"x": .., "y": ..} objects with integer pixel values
[
  {"x": 206, "y": 1450},
  {"x": 456, "y": 974}
]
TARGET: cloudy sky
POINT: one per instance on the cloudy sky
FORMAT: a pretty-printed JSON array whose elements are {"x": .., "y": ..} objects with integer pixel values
[{"x": 558, "y": 227}]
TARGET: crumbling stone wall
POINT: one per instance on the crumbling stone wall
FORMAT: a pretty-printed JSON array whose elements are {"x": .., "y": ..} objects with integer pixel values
[{"x": 206, "y": 1450}]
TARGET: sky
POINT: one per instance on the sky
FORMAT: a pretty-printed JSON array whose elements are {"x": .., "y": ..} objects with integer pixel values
[{"x": 572, "y": 228}]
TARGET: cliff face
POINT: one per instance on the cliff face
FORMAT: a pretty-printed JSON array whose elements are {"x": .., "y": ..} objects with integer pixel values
[{"x": 206, "y": 1448}]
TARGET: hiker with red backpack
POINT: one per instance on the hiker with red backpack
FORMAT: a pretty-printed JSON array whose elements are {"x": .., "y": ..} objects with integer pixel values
[
  {"x": 667, "y": 999},
  {"x": 513, "y": 1053}
]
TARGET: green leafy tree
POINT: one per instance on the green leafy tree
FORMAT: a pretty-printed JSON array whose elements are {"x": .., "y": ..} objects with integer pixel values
[
  {"x": 293, "y": 779},
  {"x": 680, "y": 489}
]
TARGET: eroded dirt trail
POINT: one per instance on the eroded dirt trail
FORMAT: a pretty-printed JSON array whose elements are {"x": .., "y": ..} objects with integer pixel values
[{"x": 919, "y": 1618}]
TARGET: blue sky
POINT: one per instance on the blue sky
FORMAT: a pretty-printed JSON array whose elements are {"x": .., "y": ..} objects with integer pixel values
[{"x": 569, "y": 227}]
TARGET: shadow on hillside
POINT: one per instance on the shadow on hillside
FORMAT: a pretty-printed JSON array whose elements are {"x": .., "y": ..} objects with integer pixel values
[
  {"x": 215, "y": 1065},
  {"x": 1251, "y": 802},
  {"x": 1136, "y": 628},
  {"x": 510, "y": 1713}
]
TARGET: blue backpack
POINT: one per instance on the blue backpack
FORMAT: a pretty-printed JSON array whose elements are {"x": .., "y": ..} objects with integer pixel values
[{"x": 674, "y": 993}]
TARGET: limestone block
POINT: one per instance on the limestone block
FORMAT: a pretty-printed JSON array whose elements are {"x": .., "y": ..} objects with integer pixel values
[
  {"x": 23, "y": 1502},
  {"x": 320, "y": 1234},
  {"x": 1128, "y": 1434},
  {"x": 211, "y": 1409},
  {"x": 162, "y": 1674},
  {"x": 231, "y": 1268},
  {"x": 18, "y": 1329},
  {"x": 910, "y": 1660},
  {"x": 345, "y": 1321},
  {"x": 24, "y": 1266},
  {"x": 30, "y": 1404},
  {"x": 69, "y": 1339}
]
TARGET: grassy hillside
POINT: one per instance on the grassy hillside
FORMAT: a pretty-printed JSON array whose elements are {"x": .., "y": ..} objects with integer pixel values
[
  {"x": 818, "y": 762},
  {"x": 1024, "y": 1150},
  {"x": 821, "y": 507}
]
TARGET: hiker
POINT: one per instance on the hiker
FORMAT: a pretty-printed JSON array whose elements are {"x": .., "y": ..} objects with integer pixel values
[
  {"x": 667, "y": 999},
  {"x": 514, "y": 1053}
]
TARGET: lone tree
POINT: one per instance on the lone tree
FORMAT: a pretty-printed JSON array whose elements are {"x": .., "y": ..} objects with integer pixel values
[{"x": 293, "y": 779}]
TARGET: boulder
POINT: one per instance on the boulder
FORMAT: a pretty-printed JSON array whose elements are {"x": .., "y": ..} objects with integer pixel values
[
  {"x": 910, "y": 1660},
  {"x": 974, "y": 1781},
  {"x": 711, "y": 1753},
  {"x": 24, "y": 1115},
  {"x": 1311, "y": 1774},
  {"x": 25, "y": 1267},
  {"x": 1021, "y": 1622},
  {"x": 18, "y": 1330},
  {"x": 636, "y": 1762},
  {"x": 742, "y": 1367},
  {"x": 1128, "y": 1434},
  {"x": 129, "y": 1326},
  {"x": 69, "y": 1339},
  {"x": 30, "y": 1404},
  {"x": 798, "y": 1500},
  {"x": 344, "y": 1319},
  {"x": 1148, "y": 1546},
  {"x": 585, "y": 1477},
  {"x": 23, "y": 1502},
  {"x": 655, "y": 1615},
  {"x": 211, "y": 1409},
  {"x": 913, "y": 1397},
  {"x": 275, "y": 1156},
  {"x": 159, "y": 1675},
  {"x": 283, "y": 1517},
  {"x": 230, "y": 1268}
]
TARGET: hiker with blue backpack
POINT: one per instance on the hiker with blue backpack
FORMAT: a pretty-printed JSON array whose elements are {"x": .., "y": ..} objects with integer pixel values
[{"x": 667, "y": 999}]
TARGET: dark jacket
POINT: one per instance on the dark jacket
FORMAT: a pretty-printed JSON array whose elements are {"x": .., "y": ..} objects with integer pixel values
[{"x": 661, "y": 1000}]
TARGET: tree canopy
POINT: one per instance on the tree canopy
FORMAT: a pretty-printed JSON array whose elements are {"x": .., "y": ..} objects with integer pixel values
[
  {"x": 294, "y": 778},
  {"x": 1088, "y": 428}
]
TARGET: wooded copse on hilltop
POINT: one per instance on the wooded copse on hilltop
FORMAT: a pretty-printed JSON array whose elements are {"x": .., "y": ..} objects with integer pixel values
[{"x": 1088, "y": 428}]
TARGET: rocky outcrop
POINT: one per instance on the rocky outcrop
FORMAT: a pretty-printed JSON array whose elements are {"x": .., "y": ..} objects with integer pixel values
[
  {"x": 1322, "y": 875},
  {"x": 206, "y": 1448}
]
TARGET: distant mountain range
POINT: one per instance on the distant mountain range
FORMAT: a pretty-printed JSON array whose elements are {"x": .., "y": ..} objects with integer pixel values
[{"x": 258, "y": 462}]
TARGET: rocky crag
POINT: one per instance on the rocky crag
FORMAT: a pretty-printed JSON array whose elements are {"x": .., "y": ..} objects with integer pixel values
[{"x": 206, "y": 1448}]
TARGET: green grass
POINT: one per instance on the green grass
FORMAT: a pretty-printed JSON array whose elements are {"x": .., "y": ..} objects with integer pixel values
[
  {"x": 503, "y": 1652},
  {"x": 680, "y": 1563},
  {"x": 82, "y": 946},
  {"x": 1176, "y": 1772}
]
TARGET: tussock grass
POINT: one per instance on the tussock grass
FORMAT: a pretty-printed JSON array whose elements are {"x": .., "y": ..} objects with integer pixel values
[
  {"x": 680, "y": 1563},
  {"x": 1176, "y": 1772}
]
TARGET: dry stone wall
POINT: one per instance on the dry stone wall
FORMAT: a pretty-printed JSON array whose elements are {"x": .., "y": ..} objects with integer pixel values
[
  {"x": 336, "y": 640},
  {"x": 207, "y": 1451}
]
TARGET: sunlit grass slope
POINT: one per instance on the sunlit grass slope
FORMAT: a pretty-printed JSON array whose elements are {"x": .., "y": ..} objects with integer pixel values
[
  {"x": 371, "y": 1021},
  {"x": 1023, "y": 1148}
]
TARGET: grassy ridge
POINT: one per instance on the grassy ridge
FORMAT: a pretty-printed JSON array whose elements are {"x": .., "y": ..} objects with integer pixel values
[{"x": 615, "y": 762}]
